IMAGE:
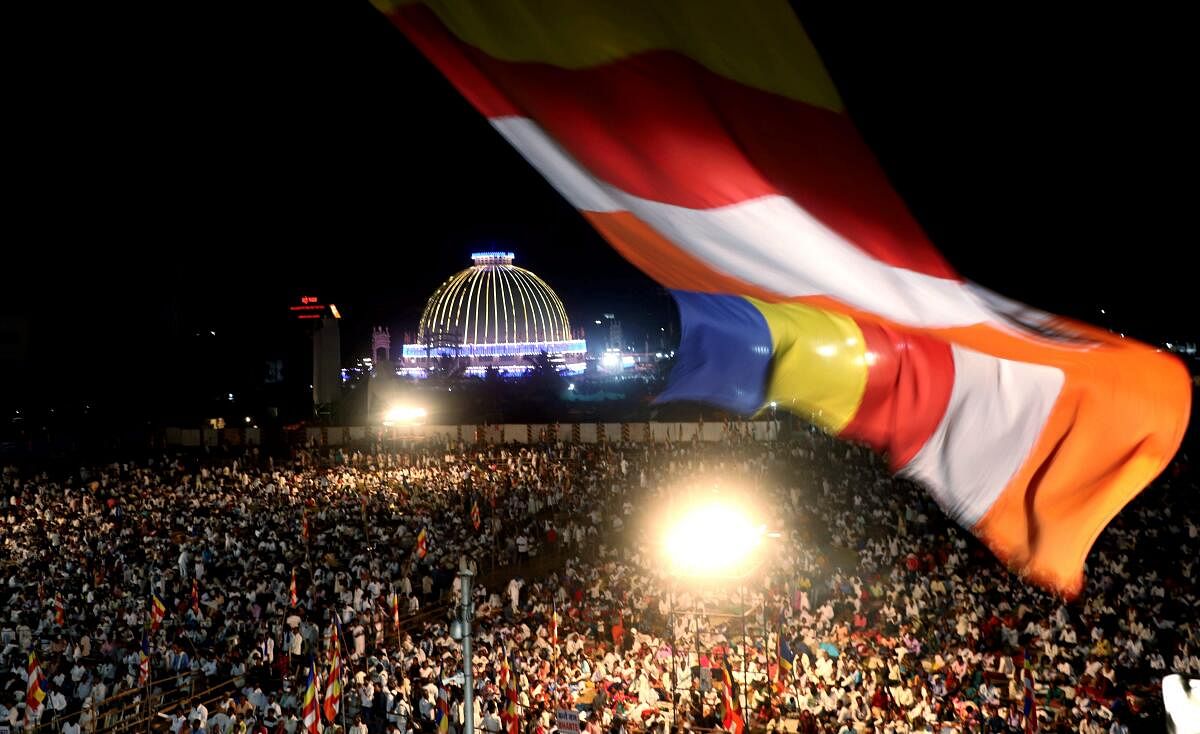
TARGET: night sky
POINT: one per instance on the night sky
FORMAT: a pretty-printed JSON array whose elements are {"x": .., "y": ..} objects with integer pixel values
[{"x": 173, "y": 175}]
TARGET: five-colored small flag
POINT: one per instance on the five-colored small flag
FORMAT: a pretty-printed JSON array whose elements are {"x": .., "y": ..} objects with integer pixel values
[
  {"x": 158, "y": 610},
  {"x": 443, "y": 711},
  {"x": 333, "y": 681},
  {"x": 732, "y": 720},
  {"x": 35, "y": 692},
  {"x": 512, "y": 711},
  {"x": 60, "y": 616},
  {"x": 195, "y": 597},
  {"x": 786, "y": 660},
  {"x": 144, "y": 661},
  {"x": 293, "y": 597},
  {"x": 475, "y": 519},
  {"x": 312, "y": 716},
  {"x": 422, "y": 543}
]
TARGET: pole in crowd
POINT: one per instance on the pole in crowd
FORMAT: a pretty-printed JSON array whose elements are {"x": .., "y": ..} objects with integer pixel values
[{"x": 460, "y": 631}]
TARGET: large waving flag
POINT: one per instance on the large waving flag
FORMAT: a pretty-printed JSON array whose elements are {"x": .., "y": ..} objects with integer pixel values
[{"x": 708, "y": 145}]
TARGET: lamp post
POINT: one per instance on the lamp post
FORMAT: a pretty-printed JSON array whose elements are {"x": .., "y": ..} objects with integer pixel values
[{"x": 460, "y": 630}]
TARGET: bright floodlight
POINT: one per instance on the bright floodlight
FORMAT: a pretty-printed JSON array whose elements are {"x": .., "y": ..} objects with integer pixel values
[
  {"x": 716, "y": 539},
  {"x": 403, "y": 415}
]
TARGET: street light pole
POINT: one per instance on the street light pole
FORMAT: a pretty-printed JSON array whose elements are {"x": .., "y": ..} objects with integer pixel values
[{"x": 466, "y": 615}]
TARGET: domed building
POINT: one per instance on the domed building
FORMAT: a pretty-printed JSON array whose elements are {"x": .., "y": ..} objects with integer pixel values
[{"x": 494, "y": 314}]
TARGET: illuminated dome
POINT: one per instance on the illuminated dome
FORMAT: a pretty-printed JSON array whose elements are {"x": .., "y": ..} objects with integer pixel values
[
  {"x": 494, "y": 302},
  {"x": 493, "y": 315}
]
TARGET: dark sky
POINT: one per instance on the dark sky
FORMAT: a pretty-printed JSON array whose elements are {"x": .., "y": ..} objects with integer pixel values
[{"x": 167, "y": 174}]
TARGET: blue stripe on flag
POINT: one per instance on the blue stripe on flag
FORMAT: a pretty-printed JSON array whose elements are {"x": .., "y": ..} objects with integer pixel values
[{"x": 724, "y": 353}]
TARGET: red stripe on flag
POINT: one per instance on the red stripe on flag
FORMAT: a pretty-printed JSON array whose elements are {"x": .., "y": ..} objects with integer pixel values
[
  {"x": 660, "y": 126},
  {"x": 908, "y": 389}
]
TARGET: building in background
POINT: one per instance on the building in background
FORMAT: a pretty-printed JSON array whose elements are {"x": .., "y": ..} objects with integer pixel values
[
  {"x": 322, "y": 320},
  {"x": 493, "y": 315}
]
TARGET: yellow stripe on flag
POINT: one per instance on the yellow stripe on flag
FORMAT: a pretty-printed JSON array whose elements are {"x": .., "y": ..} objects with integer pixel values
[
  {"x": 820, "y": 364},
  {"x": 765, "y": 48}
]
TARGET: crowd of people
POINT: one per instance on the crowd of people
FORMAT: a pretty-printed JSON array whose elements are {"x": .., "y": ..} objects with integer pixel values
[{"x": 871, "y": 612}]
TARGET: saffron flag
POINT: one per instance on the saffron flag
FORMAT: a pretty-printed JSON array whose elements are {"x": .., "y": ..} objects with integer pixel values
[
  {"x": 706, "y": 142},
  {"x": 475, "y": 519},
  {"x": 35, "y": 690},
  {"x": 312, "y": 717},
  {"x": 293, "y": 598},
  {"x": 396, "y": 611},
  {"x": 422, "y": 540},
  {"x": 333, "y": 681},
  {"x": 158, "y": 610}
]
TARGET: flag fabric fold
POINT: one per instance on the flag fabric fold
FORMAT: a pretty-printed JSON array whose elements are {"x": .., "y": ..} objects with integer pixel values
[{"x": 708, "y": 145}]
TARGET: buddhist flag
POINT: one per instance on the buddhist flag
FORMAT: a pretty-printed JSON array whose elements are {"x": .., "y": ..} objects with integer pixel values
[
  {"x": 510, "y": 715},
  {"x": 333, "y": 681},
  {"x": 293, "y": 597},
  {"x": 443, "y": 711},
  {"x": 144, "y": 661},
  {"x": 706, "y": 142},
  {"x": 475, "y": 519},
  {"x": 786, "y": 660},
  {"x": 158, "y": 611},
  {"x": 309, "y": 710},
  {"x": 732, "y": 719},
  {"x": 60, "y": 612},
  {"x": 422, "y": 540},
  {"x": 35, "y": 691},
  {"x": 195, "y": 597}
]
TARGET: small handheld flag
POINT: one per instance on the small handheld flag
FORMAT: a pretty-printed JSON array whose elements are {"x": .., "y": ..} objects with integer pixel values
[
  {"x": 35, "y": 692},
  {"x": 422, "y": 543},
  {"x": 475, "y": 519},
  {"x": 293, "y": 598},
  {"x": 158, "y": 611},
  {"x": 144, "y": 662},
  {"x": 311, "y": 714},
  {"x": 333, "y": 682}
]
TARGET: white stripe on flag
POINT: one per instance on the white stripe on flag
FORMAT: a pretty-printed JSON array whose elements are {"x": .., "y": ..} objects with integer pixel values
[
  {"x": 996, "y": 412},
  {"x": 769, "y": 242}
]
